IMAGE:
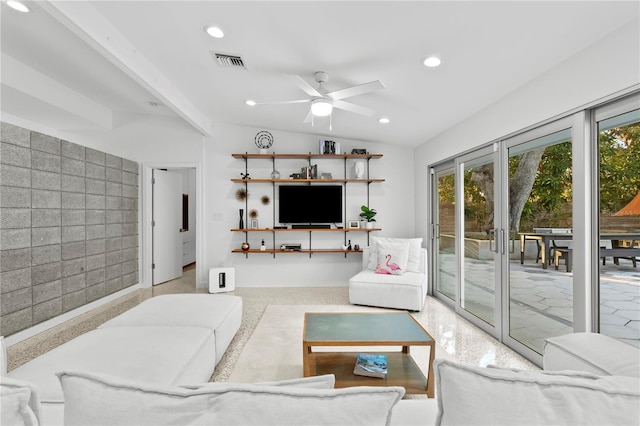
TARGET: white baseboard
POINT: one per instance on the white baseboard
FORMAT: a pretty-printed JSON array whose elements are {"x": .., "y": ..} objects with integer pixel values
[{"x": 43, "y": 326}]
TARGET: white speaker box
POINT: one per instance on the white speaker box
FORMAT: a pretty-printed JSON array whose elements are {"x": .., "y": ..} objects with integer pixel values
[{"x": 222, "y": 279}]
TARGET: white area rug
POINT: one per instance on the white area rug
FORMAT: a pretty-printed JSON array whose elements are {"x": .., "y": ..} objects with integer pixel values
[{"x": 274, "y": 350}]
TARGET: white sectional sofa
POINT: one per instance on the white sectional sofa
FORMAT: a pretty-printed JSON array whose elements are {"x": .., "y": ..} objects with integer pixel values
[
  {"x": 166, "y": 340},
  {"x": 598, "y": 383}
]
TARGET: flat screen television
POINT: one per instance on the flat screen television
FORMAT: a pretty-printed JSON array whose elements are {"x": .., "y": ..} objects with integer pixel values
[{"x": 310, "y": 204}]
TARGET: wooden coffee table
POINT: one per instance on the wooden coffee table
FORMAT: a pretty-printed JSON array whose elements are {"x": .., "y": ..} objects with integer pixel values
[{"x": 367, "y": 329}]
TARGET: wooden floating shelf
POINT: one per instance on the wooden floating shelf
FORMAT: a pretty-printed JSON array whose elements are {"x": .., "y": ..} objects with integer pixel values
[
  {"x": 306, "y": 230},
  {"x": 307, "y": 156},
  {"x": 239, "y": 180},
  {"x": 272, "y": 251}
]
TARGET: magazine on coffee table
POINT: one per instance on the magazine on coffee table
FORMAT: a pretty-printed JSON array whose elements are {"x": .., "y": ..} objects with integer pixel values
[{"x": 371, "y": 365}]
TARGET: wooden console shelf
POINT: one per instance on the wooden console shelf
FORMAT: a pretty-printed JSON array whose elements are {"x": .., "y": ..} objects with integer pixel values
[
  {"x": 307, "y": 230},
  {"x": 308, "y": 156},
  {"x": 238, "y": 180},
  {"x": 307, "y": 251},
  {"x": 274, "y": 182}
]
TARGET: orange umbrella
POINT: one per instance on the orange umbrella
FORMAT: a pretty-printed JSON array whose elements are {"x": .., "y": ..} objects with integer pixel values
[{"x": 631, "y": 209}]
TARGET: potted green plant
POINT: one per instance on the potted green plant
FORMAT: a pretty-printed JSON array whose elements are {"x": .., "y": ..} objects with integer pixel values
[{"x": 368, "y": 215}]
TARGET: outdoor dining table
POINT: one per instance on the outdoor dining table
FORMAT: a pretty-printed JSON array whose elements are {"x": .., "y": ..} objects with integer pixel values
[{"x": 616, "y": 250}]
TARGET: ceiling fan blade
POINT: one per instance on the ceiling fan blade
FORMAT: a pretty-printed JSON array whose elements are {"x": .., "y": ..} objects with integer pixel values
[
  {"x": 299, "y": 101},
  {"x": 348, "y": 106},
  {"x": 308, "y": 89},
  {"x": 308, "y": 117},
  {"x": 356, "y": 90}
]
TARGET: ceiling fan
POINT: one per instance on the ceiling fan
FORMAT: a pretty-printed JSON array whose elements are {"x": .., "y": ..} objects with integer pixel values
[{"x": 323, "y": 101}]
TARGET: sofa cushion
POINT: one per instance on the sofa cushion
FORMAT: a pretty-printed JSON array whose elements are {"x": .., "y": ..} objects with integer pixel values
[
  {"x": 592, "y": 352},
  {"x": 323, "y": 381},
  {"x": 19, "y": 404},
  {"x": 189, "y": 310},
  {"x": 171, "y": 355},
  {"x": 414, "y": 412},
  {"x": 475, "y": 395},
  {"x": 220, "y": 313},
  {"x": 413, "y": 260},
  {"x": 409, "y": 279},
  {"x": 14, "y": 408},
  {"x": 93, "y": 399}
]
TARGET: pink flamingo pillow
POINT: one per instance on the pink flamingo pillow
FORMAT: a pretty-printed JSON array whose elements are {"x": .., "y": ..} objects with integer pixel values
[{"x": 391, "y": 262}]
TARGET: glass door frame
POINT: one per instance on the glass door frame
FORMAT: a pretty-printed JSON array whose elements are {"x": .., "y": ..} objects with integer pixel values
[
  {"x": 505, "y": 145},
  {"x": 499, "y": 246},
  {"x": 434, "y": 231},
  {"x": 457, "y": 165},
  {"x": 604, "y": 112}
]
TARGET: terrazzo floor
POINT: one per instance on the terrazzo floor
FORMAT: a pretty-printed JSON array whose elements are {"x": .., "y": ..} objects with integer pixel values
[{"x": 541, "y": 303}]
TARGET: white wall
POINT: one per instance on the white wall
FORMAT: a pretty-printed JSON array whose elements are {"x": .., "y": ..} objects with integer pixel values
[
  {"x": 607, "y": 67},
  {"x": 391, "y": 199}
]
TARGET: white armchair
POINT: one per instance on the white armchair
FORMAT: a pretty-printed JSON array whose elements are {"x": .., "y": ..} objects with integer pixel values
[{"x": 407, "y": 291}]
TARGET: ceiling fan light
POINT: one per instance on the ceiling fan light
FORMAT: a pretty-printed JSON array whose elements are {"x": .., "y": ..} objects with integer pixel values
[{"x": 321, "y": 107}]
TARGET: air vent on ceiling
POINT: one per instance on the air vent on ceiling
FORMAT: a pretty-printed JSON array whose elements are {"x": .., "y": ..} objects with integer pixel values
[{"x": 231, "y": 61}]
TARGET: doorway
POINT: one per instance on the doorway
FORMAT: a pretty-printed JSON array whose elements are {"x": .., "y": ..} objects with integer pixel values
[{"x": 171, "y": 201}]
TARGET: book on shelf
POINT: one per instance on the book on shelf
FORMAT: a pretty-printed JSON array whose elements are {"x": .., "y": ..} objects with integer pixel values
[{"x": 371, "y": 365}]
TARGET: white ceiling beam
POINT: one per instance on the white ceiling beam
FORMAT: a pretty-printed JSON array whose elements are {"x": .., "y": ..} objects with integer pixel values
[
  {"x": 26, "y": 80},
  {"x": 87, "y": 23}
]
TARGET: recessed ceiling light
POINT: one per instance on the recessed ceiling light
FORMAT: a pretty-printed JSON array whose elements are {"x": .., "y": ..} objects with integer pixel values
[
  {"x": 214, "y": 32},
  {"x": 384, "y": 120},
  {"x": 250, "y": 102},
  {"x": 13, "y": 4},
  {"x": 432, "y": 61}
]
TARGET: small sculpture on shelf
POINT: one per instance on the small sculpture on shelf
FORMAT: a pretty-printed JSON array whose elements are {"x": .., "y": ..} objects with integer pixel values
[
  {"x": 264, "y": 141},
  {"x": 245, "y": 176},
  {"x": 245, "y": 246}
]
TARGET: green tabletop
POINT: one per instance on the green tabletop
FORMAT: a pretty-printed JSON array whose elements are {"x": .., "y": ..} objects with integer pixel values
[{"x": 363, "y": 327}]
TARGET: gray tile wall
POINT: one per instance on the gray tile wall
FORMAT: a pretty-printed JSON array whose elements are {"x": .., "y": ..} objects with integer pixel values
[{"x": 68, "y": 226}]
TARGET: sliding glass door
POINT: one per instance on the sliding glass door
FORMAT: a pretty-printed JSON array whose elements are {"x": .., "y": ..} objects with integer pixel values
[
  {"x": 465, "y": 243},
  {"x": 513, "y": 223},
  {"x": 480, "y": 237},
  {"x": 618, "y": 287},
  {"x": 444, "y": 232},
  {"x": 538, "y": 211},
  {"x": 483, "y": 204}
]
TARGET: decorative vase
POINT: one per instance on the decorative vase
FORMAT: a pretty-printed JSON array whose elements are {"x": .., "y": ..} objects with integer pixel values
[
  {"x": 241, "y": 223},
  {"x": 275, "y": 174},
  {"x": 245, "y": 246},
  {"x": 358, "y": 169},
  {"x": 369, "y": 225}
]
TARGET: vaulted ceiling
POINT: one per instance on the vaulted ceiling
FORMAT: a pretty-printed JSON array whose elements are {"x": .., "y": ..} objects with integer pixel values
[{"x": 96, "y": 64}]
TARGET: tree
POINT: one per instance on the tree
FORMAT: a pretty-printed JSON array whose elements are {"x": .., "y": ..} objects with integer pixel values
[
  {"x": 520, "y": 185},
  {"x": 619, "y": 167}
]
